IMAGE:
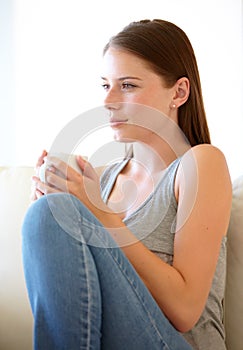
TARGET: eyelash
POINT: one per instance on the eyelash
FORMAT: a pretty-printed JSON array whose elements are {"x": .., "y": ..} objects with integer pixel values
[
  {"x": 125, "y": 86},
  {"x": 105, "y": 86},
  {"x": 128, "y": 85}
]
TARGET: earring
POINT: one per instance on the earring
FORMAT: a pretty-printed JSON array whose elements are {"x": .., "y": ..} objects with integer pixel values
[{"x": 172, "y": 105}]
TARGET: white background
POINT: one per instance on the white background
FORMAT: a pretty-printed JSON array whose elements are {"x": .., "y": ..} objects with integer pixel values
[{"x": 50, "y": 51}]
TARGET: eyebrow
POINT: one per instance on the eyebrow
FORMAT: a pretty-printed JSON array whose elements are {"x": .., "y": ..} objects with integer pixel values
[{"x": 124, "y": 78}]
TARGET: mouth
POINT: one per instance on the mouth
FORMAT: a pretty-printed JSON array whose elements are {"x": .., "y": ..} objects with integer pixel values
[{"x": 117, "y": 122}]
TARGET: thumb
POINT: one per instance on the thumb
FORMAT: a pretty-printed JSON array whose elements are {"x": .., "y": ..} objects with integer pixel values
[{"x": 86, "y": 168}]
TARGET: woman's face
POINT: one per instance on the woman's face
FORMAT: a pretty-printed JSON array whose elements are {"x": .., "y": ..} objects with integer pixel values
[{"x": 134, "y": 95}]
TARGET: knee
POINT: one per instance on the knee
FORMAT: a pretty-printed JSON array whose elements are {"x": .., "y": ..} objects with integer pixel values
[
  {"x": 48, "y": 218},
  {"x": 65, "y": 215},
  {"x": 49, "y": 210},
  {"x": 38, "y": 212},
  {"x": 61, "y": 211}
]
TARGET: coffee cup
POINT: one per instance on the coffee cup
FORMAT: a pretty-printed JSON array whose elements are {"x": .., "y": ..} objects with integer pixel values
[{"x": 69, "y": 159}]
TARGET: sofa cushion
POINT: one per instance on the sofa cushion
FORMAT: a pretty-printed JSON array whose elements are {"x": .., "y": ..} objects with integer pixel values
[{"x": 234, "y": 283}]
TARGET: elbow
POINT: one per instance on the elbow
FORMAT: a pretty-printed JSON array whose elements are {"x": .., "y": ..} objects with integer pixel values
[
  {"x": 184, "y": 327},
  {"x": 185, "y": 320},
  {"x": 186, "y": 312},
  {"x": 185, "y": 324}
]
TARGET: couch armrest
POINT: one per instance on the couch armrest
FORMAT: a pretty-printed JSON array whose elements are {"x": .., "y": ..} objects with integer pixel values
[{"x": 15, "y": 315}]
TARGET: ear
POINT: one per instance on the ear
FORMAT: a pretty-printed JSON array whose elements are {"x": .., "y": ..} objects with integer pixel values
[{"x": 182, "y": 91}]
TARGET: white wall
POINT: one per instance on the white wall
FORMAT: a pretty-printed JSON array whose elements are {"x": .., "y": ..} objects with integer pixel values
[
  {"x": 7, "y": 99},
  {"x": 58, "y": 45}
]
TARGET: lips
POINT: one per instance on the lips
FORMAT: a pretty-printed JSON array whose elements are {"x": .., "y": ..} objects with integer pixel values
[{"x": 117, "y": 122}]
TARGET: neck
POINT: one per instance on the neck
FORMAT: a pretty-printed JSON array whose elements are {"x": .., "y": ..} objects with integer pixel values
[
  {"x": 161, "y": 146},
  {"x": 154, "y": 160}
]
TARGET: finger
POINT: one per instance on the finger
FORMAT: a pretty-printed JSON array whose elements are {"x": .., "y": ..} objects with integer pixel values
[
  {"x": 81, "y": 162},
  {"x": 62, "y": 168},
  {"x": 38, "y": 194},
  {"x": 45, "y": 188},
  {"x": 55, "y": 181},
  {"x": 35, "y": 194},
  {"x": 87, "y": 168},
  {"x": 40, "y": 160}
]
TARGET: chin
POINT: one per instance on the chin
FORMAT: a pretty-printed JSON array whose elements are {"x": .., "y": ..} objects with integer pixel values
[
  {"x": 120, "y": 136},
  {"x": 129, "y": 133}
]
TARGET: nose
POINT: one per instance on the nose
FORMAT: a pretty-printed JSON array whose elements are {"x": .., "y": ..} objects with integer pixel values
[{"x": 112, "y": 100}]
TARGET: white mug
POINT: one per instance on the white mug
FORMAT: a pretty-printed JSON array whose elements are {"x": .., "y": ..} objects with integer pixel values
[{"x": 70, "y": 159}]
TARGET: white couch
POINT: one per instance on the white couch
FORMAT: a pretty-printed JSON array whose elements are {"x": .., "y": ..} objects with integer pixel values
[{"x": 15, "y": 314}]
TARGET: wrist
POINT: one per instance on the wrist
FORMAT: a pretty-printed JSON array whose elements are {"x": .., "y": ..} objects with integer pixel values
[
  {"x": 108, "y": 218},
  {"x": 117, "y": 229}
]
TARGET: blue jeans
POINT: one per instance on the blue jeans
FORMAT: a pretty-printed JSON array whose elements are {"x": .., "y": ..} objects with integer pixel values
[{"x": 83, "y": 291}]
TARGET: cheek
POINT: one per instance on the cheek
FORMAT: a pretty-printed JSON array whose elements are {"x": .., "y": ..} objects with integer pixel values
[
  {"x": 148, "y": 119},
  {"x": 152, "y": 100},
  {"x": 143, "y": 100}
]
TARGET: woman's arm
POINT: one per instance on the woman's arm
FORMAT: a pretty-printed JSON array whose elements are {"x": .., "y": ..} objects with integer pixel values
[{"x": 203, "y": 190}]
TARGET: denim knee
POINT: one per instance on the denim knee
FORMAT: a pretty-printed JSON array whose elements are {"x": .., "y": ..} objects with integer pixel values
[{"x": 70, "y": 215}]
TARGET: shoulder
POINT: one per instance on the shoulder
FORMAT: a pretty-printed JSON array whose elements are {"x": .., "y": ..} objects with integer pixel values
[
  {"x": 204, "y": 154},
  {"x": 203, "y": 166},
  {"x": 204, "y": 158}
]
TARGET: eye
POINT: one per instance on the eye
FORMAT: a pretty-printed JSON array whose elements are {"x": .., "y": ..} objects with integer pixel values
[
  {"x": 128, "y": 86},
  {"x": 105, "y": 86}
]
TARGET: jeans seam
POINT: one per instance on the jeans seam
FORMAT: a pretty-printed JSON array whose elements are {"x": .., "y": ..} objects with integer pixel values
[{"x": 88, "y": 297}]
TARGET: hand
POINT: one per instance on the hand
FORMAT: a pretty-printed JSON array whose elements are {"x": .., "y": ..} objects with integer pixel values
[
  {"x": 36, "y": 193},
  {"x": 62, "y": 178}
]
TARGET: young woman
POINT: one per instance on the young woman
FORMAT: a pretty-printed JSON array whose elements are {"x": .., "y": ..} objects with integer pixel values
[{"x": 135, "y": 259}]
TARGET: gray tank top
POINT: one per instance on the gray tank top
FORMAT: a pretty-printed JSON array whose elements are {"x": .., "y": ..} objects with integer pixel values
[{"x": 154, "y": 223}]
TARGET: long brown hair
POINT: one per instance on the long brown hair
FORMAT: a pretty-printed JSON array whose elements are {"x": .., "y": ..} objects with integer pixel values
[{"x": 169, "y": 53}]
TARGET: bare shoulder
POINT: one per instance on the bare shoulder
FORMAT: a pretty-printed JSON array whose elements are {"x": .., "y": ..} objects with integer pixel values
[
  {"x": 203, "y": 166},
  {"x": 205, "y": 159},
  {"x": 204, "y": 154}
]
